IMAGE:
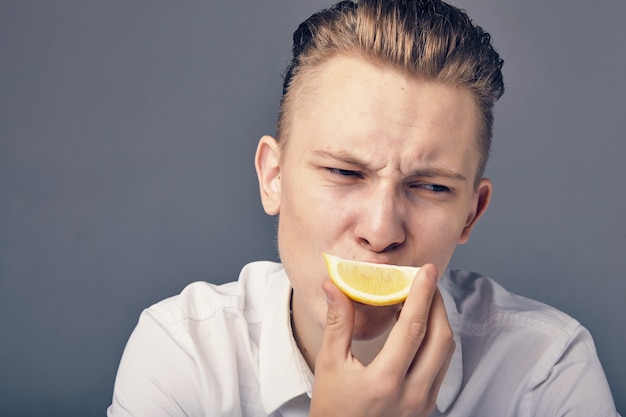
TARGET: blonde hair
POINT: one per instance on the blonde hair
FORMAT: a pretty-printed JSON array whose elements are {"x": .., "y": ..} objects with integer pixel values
[{"x": 425, "y": 39}]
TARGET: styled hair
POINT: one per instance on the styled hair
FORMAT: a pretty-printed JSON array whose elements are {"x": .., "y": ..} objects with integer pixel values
[{"x": 425, "y": 39}]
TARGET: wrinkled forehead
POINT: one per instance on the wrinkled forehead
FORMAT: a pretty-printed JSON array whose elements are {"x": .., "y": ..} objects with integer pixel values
[{"x": 350, "y": 104}]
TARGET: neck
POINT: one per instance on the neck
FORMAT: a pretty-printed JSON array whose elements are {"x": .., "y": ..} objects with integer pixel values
[
  {"x": 366, "y": 350},
  {"x": 308, "y": 334}
]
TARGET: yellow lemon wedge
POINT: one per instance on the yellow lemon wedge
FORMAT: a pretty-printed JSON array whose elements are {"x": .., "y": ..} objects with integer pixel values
[{"x": 370, "y": 283}]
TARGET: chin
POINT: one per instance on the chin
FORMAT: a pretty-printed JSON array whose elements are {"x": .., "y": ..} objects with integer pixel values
[{"x": 371, "y": 322}]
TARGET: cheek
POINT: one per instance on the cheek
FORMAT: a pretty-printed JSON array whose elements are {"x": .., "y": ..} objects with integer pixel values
[
  {"x": 305, "y": 225},
  {"x": 314, "y": 210},
  {"x": 436, "y": 234}
]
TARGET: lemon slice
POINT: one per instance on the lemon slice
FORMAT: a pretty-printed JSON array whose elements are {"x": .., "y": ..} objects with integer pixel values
[{"x": 370, "y": 283}]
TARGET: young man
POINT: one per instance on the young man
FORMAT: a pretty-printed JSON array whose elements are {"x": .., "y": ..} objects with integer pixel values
[{"x": 381, "y": 144}]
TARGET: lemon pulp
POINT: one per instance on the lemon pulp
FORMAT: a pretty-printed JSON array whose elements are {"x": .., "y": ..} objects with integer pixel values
[{"x": 370, "y": 283}]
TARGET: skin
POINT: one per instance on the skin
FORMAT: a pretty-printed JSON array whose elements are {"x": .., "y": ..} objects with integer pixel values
[{"x": 381, "y": 168}]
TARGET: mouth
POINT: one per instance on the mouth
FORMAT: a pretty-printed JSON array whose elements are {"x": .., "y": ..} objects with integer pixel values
[{"x": 371, "y": 283}]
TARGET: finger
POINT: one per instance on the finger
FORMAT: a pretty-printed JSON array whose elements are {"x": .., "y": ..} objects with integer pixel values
[
  {"x": 337, "y": 337},
  {"x": 408, "y": 333},
  {"x": 432, "y": 359},
  {"x": 425, "y": 377},
  {"x": 434, "y": 391}
]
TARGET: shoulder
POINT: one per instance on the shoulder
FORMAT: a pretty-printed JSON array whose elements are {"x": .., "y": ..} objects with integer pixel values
[
  {"x": 190, "y": 348},
  {"x": 203, "y": 303},
  {"x": 506, "y": 337},
  {"x": 484, "y": 305}
]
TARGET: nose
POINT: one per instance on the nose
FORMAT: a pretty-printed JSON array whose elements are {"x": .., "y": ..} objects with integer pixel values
[{"x": 380, "y": 225}]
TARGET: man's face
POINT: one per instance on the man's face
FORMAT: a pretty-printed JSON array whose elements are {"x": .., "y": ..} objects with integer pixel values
[{"x": 377, "y": 168}]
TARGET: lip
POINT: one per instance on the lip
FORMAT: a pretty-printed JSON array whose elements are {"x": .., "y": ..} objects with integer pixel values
[
  {"x": 377, "y": 261},
  {"x": 361, "y": 259}
]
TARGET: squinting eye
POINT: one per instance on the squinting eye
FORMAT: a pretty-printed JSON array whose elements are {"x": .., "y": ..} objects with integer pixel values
[
  {"x": 344, "y": 172},
  {"x": 435, "y": 188}
]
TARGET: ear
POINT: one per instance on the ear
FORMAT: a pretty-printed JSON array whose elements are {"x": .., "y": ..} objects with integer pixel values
[
  {"x": 267, "y": 165},
  {"x": 482, "y": 196}
]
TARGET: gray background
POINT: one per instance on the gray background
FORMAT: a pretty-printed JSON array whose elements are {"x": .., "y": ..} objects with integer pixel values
[{"x": 127, "y": 133}]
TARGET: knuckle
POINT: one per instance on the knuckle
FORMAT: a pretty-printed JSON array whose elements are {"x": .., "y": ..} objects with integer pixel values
[
  {"x": 417, "y": 330},
  {"x": 331, "y": 318},
  {"x": 447, "y": 337}
]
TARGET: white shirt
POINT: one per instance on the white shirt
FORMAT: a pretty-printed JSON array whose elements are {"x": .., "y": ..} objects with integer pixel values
[{"x": 228, "y": 350}]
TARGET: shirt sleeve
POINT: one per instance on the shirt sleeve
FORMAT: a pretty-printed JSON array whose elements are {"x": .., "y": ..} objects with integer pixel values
[
  {"x": 573, "y": 384},
  {"x": 156, "y": 377}
]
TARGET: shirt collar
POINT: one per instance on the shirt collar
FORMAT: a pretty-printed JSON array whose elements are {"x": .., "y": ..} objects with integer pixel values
[
  {"x": 283, "y": 373},
  {"x": 451, "y": 385}
]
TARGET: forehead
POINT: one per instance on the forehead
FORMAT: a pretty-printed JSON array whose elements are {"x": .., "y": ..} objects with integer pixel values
[
  {"x": 347, "y": 100},
  {"x": 337, "y": 80}
]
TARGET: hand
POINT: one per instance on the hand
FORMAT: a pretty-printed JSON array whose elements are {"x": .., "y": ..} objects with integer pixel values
[{"x": 404, "y": 378}]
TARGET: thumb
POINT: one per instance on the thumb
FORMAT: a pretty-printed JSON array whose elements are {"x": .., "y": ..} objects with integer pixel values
[{"x": 339, "y": 324}]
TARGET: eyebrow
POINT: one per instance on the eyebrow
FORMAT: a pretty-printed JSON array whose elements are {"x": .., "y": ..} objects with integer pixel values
[
  {"x": 342, "y": 156},
  {"x": 427, "y": 172},
  {"x": 434, "y": 172}
]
